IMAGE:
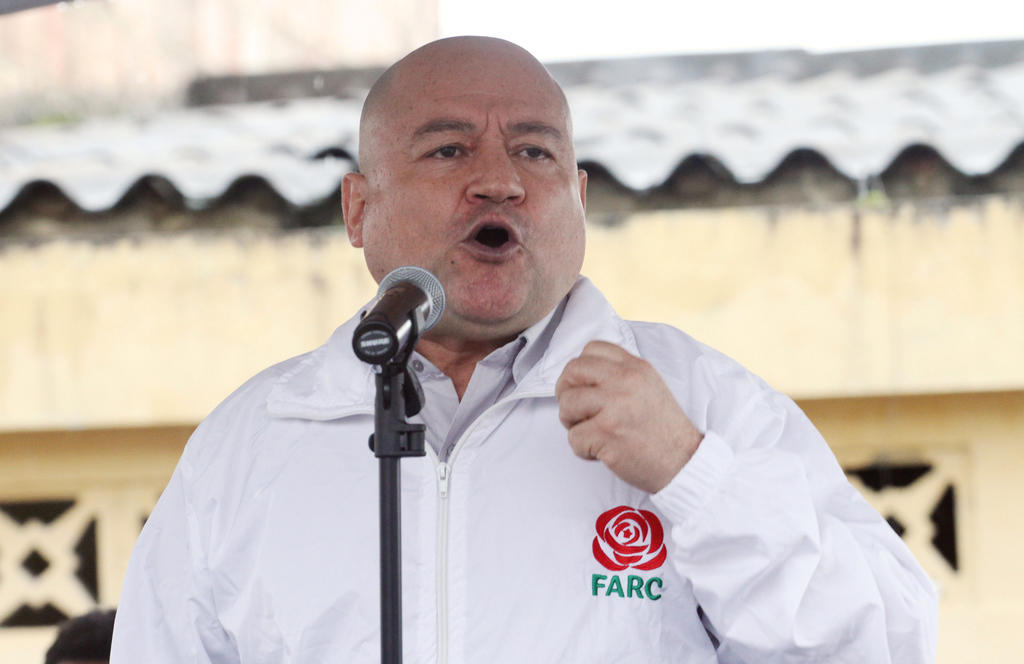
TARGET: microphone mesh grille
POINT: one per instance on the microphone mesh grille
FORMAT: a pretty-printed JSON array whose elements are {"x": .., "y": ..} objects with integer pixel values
[{"x": 426, "y": 281}]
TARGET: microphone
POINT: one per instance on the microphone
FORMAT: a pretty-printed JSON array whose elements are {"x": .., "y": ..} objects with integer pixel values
[{"x": 409, "y": 302}]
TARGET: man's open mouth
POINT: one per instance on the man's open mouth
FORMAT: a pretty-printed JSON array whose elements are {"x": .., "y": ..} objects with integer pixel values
[
  {"x": 492, "y": 236},
  {"x": 493, "y": 239}
]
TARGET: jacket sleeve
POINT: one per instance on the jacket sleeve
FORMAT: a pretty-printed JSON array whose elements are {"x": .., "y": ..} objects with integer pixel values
[
  {"x": 166, "y": 613},
  {"x": 788, "y": 562}
]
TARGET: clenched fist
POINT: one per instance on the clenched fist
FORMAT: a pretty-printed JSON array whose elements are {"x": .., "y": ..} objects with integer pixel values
[{"x": 619, "y": 411}]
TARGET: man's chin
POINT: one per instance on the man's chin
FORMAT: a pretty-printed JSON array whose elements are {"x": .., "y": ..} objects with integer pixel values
[
  {"x": 488, "y": 324},
  {"x": 494, "y": 308}
]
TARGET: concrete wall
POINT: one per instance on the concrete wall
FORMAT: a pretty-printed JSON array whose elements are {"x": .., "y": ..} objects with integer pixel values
[
  {"x": 837, "y": 301},
  {"x": 159, "y": 329}
]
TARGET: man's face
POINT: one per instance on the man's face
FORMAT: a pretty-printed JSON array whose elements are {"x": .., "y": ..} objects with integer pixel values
[{"x": 470, "y": 173}]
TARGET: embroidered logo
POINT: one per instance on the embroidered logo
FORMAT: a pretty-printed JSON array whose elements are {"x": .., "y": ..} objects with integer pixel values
[{"x": 628, "y": 537}]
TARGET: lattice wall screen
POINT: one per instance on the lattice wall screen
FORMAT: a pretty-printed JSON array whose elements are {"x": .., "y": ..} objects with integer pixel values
[
  {"x": 62, "y": 557},
  {"x": 924, "y": 501}
]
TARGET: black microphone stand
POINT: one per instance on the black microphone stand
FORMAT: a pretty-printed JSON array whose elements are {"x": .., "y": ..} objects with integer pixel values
[{"x": 399, "y": 395}]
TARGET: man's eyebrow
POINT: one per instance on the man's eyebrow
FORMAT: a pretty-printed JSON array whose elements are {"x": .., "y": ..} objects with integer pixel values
[
  {"x": 531, "y": 127},
  {"x": 441, "y": 125}
]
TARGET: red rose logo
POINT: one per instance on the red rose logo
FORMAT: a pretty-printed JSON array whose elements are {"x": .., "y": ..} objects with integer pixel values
[{"x": 627, "y": 537}]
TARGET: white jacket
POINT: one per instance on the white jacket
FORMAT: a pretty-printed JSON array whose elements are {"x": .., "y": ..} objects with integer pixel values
[{"x": 264, "y": 546}]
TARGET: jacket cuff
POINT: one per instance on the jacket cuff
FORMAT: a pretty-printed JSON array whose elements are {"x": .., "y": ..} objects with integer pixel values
[{"x": 697, "y": 482}]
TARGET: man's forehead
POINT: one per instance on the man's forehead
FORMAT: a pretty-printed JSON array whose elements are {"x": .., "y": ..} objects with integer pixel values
[
  {"x": 512, "y": 105},
  {"x": 515, "y": 88}
]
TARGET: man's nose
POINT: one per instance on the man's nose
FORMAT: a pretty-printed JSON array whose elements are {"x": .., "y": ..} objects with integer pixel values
[{"x": 495, "y": 178}]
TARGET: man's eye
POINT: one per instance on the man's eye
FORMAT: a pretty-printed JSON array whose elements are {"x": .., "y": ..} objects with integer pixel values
[
  {"x": 446, "y": 152},
  {"x": 534, "y": 153}
]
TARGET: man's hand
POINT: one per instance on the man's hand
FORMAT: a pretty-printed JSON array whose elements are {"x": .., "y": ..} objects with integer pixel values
[{"x": 619, "y": 410}]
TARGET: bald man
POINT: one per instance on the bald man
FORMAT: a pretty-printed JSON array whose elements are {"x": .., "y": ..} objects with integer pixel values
[{"x": 594, "y": 489}]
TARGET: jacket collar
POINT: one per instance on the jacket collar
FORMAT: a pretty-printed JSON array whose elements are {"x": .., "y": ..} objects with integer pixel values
[{"x": 331, "y": 383}]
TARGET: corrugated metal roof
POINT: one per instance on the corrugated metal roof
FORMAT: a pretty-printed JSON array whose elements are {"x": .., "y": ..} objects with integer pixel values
[
  {"x": 641, "y": 132},
  {"x": 200, "y": 151},
  {"x": 639, "y": 119}
]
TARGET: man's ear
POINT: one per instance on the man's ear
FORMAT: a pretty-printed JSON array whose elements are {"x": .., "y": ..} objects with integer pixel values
[
  {"x": 353, "y": 205},
  {"x": 582, "y": 175}
]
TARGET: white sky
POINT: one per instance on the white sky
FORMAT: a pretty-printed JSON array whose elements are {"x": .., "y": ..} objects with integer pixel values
[{"x": 579, "y": 29}]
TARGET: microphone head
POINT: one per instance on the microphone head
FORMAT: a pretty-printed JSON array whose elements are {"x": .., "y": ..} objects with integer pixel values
[{"x": 426, "y": 282}]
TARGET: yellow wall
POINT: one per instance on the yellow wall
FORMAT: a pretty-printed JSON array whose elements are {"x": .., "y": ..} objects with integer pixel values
[
  {"x": 830, "y": 302},
  {"x": 159, "y": 329},
  {"x": 834, "y": 301}
]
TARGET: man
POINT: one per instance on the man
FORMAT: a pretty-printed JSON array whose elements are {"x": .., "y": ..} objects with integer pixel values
[{"x": 594, "y": 490}]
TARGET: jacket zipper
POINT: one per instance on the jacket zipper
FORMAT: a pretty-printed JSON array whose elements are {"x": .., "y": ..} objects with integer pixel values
[
  {"x": 444, "y": 471},
  {"x": 441, "y": 569}
]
